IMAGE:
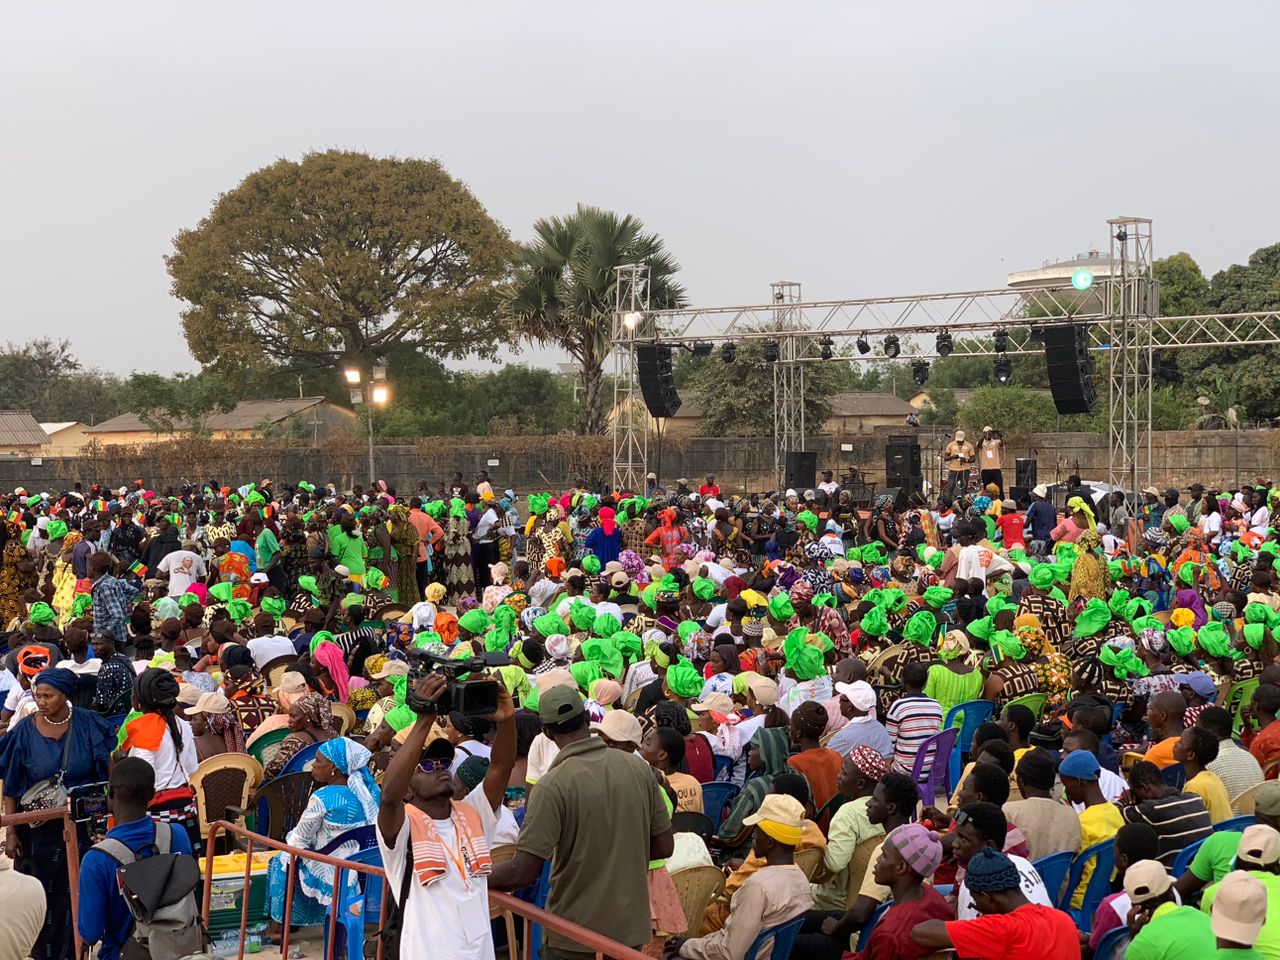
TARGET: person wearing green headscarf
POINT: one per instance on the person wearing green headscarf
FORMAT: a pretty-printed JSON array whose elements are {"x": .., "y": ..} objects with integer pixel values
[
  {"x": 805, "y": 666},
  {"x": 683, "y": 680},
  {"x": 938, "y": 597},
  {"x": 921, "y": 629},
  {"x": 1007, "y": 646},
  {"x": 473, "y": 623}
]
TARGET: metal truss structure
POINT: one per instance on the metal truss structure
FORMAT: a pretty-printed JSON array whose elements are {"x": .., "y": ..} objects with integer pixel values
[{"x": 1121, "y": 313}]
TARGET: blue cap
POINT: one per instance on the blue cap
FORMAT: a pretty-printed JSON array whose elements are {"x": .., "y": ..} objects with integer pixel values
[{"x": 1080, "y": 764}]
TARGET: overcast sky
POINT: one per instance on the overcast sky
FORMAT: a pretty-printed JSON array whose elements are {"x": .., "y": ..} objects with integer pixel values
[{"x": 860, "y": 148}]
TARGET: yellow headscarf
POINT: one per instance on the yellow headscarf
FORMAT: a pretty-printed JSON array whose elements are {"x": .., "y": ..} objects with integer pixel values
[{"x": 1077, "y": 504}]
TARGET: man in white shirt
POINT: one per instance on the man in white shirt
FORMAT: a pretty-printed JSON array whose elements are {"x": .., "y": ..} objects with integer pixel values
[
  {"x": 265, "y": 649},
  {"x": 182, "y": 568},
  {"x": 446, "y": 909},
  {"x": 977, "y": 562},
  {"x": 981, "y": 825}
]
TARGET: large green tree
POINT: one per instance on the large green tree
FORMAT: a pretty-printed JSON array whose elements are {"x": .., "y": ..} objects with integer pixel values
[
  {"x": 45, "y": 377},
  {"x": 178, "y": 403},
  {"x": 564, "y": 289},
  {"x": 338, "y": 258}
]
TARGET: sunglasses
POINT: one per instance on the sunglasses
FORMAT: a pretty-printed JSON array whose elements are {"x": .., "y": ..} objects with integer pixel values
[{"x": 431, "y": 766}]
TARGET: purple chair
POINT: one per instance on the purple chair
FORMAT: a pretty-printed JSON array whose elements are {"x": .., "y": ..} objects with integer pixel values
[{"x": 930, "y": 769}]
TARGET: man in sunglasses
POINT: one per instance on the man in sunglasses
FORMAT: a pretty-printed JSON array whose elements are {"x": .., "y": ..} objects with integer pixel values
[{"x": 435, "y": 849}]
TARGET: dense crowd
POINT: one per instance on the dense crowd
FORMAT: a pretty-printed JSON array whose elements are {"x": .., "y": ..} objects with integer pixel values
[{"x": 762, "y": 687}]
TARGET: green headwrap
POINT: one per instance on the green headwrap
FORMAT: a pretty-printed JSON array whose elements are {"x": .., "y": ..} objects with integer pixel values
[
  {"x": 221, "y": 591},
  {"x": 703, "y": 588},
  {"x": 874, "y": 623},
  {"x": 824, "y": 600},
  {"x": 1179, "y": 523},
  {"x": 803, "y": 659},
  {"x": 41, "y": 614},
  {"x": 549, "y": 624},
  {"x": 538, "y": 503},
  {"x": 873, "y": 554},
  {"x": 307, "y": 583},
  {"x": 239, "y": 610},
  {"x": 895, "y": 601},
  {"x": 1062, "y": 568},
  {"x": 1147, "y": 623},
  {"x": 602, "y": 651},
  {"x": 1258, "y": 612},
  {"x": 1116, "y": 570},
  {"x": 1092, "y": 618},
  {"x": 353, "y": 600},
  {"x": 319, "y": 637},
  {"x": 687, "y": 629},
  {"x": 921, "y": 628},
  {"x": 936, "y": 560},
  {"x": 628, "y": 644},
  {"x": 605, "y": 625},
  {"x": 1123, "y": 661},
  {"x": 1117, "y": 602},
  {"x": 187, "y": 599},
  {"x": 56, "y": 530},
  {"x": 684, "y": 680},
  {"x": 780, "y": 607},
  {"x": 434, "y": 509},
  {"x": 474, "y": 621},
  {"x": 583, "y": 615},
  {"x": 1253, "y": 634},
  {"x": 1182, "y": 639},
  {"x": 1137, "y": 607},
  {"x": 591, "y": 564},
  {"x": 530, "y": 700},
  {"x": 497, "y": 640},
  {"x": 1214, "y": 641},
  {"x": 649, "y": 596},
  {"x": 274, "y": 606},
  {"x": 585, "y": 672},
  {"x": 1058, "y": 595},
  {"x": 1240, "y": 551},
  {"x": 80, "y": 604},
  {"x": 425, "y": 638},
  {"x": 997, "y": 602},
  {"x": 938, "y": 597},
  {"x": 1041, "y": 576},
  {"x": 809, "y": 519},
  {"x": 457, "y": 508},
  {"x": 1006, "y": 642},
  {"x": 982, "y": 628},
  {"x": 375, "y": 579},
  {"x": 1187, "y": 573},
  {"x": 874, "y": 595}
]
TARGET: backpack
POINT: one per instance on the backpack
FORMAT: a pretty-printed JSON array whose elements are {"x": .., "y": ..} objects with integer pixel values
[{"x": 159, "y": 891}]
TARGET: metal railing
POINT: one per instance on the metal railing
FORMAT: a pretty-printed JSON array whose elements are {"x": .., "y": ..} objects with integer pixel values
[
  {"x": 591, "y": 941},
  {"x": 9, "y": 821}
]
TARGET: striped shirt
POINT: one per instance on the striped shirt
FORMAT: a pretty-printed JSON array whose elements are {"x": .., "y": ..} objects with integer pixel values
[
  {"x": 910, "y": 721},
  {"x": 1236, "y": 768},
  {"x": 1180, "y": 819}
]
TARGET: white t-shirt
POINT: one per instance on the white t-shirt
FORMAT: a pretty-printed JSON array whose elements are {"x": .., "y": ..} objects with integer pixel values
[
  {"x": 1032, "y": 888},
  {"x": 562, "y": 608},
  {"x": 715, "y": 619},
  {"x": 183, "y": 569},
  {"x": 1211, "y": 524},
  {"x": 542, "y": 753},
  {"x": 172, "y": 769},
  {"x": 265, "y": 649},
  {"x": 474, "y": 748},
  {"x": 448, "y": 919},
  {"x": 977, "y": 563},
  {"x": 542, "y": 591},
  {"x": 828, "y": 487},
  {"x": 1259, "y": 521}
]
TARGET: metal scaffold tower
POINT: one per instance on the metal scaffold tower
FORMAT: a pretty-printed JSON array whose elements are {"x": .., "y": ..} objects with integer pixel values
[
  {"x": 1132, "y": 301},
  {"x": 788, "y": 375},
  {"x": 632, "y": 321}
]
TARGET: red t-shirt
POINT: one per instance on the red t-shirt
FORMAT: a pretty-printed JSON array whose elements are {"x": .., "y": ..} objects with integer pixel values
[
  {"x": 1010, "y": 527},
  {"x": 1033, "y": 930},
  {"x": 713, "y": 490}
]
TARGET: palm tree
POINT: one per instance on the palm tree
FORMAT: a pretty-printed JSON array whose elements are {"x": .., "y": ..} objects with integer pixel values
[{"x": 564, "y": 287}]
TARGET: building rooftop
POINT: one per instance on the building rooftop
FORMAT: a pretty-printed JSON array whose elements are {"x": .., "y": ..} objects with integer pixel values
[
  {"x": 18, "y": 428},
  {"x": 245, "y": 416}
]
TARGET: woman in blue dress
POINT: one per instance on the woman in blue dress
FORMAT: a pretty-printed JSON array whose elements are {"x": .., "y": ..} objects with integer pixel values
[
  {"x": 30, "y": 752},
  {"x": 347, "y": 798}
]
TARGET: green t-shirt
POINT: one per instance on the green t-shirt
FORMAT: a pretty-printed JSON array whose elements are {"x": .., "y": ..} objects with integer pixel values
[
  {"x": 1216, "y": 856},
  {"x": 266, "y": 547},
  {"x": 1174, "y": 933},
  {"x": 1233, "y": 954},
  {"x": 347, "y": 550},
  {"x": 1268, "y": 942}
]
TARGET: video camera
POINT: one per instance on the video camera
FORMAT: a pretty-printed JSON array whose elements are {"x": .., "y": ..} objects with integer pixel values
[{"x": 477, "y": 696}]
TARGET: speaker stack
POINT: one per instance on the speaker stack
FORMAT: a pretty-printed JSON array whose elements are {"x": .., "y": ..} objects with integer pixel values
[
  {"x": 1066, "y": 354},
  {"x": 801, "y": 470},
  {"x": 653, "y": 364},
  {"x": 902, "y": 464}
]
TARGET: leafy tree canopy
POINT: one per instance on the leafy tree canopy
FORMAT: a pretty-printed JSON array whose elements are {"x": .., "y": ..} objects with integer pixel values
[{"x": 44, "y": 377}]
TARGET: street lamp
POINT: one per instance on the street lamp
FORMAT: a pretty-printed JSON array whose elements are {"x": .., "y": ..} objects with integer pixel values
[{"x": 378, "y": 395}]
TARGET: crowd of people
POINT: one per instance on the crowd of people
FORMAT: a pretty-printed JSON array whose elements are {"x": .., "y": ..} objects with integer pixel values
[{"x": 803, "y": 648}]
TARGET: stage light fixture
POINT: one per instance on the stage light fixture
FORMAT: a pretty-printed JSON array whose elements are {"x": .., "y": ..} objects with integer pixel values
[
  {"x": 770, "y": 351},
  {"x": 863, "y": 347},
  {"x": 1004, "y": 371},
  {"x": 920, "y": 372},
  {"x": 826, "y": 343},
  {"x": 1002, "y": 340},
  {"x": 729, "y": 352},
  {"x": 702, "y": 348},
  {"x": 943, "y": 345},
  {"x": 891, "y": 347}
]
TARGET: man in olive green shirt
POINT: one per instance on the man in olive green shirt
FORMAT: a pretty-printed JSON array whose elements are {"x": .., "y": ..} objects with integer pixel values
[{"x": 600, "y": 814}]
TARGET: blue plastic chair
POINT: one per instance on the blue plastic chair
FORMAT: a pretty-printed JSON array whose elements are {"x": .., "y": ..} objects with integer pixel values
[
  {"x": 1053, "y": 870},
  {"x": 298, "y": 762},
  {"x": 1184, "y": 858},
  {"x": 723, "y": 766},
  {"x": 1110, "y": 947},
  {"x": 784, "y": 938},
  {"x": 864, "y": 935},
  {"x": 930, "y": 768},
  {"x": 976, "y": 713},
  {"x": 1175, "y": 775},
  {"x": 1104, "y": 856},
  {"x": 715, "y": 796},
  {"x": 540, "y": 894},
  {"x": 355, "y": 911},
  {"x": 1235, "y": 823}
]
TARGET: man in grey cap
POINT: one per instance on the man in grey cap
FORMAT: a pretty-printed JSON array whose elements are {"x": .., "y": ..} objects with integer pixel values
[{"x": 594, "y": 806}]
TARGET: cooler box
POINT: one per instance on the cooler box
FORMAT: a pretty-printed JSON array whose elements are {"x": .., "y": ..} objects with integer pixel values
[{"x": 227, "y": 895}]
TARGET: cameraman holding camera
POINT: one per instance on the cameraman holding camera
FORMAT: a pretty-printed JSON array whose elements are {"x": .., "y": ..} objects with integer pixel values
[
  {"x": 991, "y": 458},
  {"x": 435, "y": 849}
]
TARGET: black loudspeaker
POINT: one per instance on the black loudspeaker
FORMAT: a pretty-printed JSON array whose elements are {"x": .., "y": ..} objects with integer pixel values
[
  {"x": 653, "y": 364},
  {"x": 902, "y": 457},
  {"x": 1019, "y": 495},
  {"x": 1025, "y": 472},
  {"x": 802, "y": 470},
  {"x": 1066, "y": 354}
]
